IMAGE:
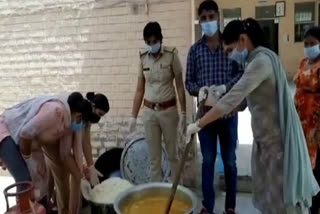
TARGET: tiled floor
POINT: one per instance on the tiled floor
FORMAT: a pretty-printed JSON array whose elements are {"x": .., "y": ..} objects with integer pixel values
[{"x": 244, "y": 203}]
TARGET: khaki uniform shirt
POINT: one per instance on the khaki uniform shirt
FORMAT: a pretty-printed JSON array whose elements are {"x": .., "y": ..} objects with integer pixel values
[{"x": 159, "y": 74}]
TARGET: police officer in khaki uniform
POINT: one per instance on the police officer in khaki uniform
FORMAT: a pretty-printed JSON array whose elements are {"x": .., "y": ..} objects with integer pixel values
[{"x": 160, "y": 68}]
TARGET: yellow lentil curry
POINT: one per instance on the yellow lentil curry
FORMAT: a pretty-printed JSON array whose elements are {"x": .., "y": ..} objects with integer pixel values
[{"x": 157, "y": 205}]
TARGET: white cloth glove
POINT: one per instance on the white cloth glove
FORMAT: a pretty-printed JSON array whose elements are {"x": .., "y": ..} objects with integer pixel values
[
  {"x": 193, "y": 128},
  {"x": 212, "y": 99},
  {"x": 132, "y": 125},
  {"x": 182, "y": 123},
  {"x": 32, "y": 165},
  {"x": 202, "y": 94},
  {"x": 219, "y": 90},
  {"x": 93, "y": 175}
]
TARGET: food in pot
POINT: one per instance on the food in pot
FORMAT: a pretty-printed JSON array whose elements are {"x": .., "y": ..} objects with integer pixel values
[
  {"x": 106, "y": 192},
  {"x": 157, "y": 205}
]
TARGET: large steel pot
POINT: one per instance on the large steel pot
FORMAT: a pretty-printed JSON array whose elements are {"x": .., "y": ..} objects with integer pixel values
[
  {"x": 135, "y": 162},
  {"x": 150, "y": 190}
]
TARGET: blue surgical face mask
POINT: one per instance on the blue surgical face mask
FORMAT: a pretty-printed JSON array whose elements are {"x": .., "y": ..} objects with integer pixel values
[
  {"x": 239, "y": 56},
  {"x": 209, "y": 28},
  {"x": 312, "y": 52},
  {"x": 154, "y": 48},
  {"x": 77, "y": 127}
]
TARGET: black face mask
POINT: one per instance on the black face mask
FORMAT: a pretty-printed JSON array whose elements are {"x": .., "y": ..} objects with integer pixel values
[{"x": 94, "y": 118}]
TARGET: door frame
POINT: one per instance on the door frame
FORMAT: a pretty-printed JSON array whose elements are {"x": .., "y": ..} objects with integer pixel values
[{"x": 277, "y": 37}]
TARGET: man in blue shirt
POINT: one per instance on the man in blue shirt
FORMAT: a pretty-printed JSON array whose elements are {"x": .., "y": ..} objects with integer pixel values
[{"x": 208, "y": 68}]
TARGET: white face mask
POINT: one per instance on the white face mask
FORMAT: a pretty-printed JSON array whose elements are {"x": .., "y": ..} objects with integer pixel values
[
  {"x": 209, "y": 28},
  {"x": 312, "y": 52},
  {"x": 239, "y": 56},
  {"x": 154, "y": 48}
]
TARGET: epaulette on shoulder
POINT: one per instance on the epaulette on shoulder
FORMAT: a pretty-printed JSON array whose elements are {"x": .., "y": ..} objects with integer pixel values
[
  {"x": 143, "y": 53},
  {"x": 169, "y": 49}
]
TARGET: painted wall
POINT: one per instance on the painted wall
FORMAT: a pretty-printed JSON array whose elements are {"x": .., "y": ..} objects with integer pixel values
[{"x": 86, "y": 45}]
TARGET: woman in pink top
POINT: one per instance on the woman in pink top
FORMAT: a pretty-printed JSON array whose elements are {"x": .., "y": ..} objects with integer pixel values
[{"x": 47, "y": 120}]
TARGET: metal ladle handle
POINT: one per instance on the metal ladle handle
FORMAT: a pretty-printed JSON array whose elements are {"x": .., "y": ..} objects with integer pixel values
[{"x": 184, "y": 157}]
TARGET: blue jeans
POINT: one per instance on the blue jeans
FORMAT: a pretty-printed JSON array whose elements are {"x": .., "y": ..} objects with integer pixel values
[
  {"x": 226, "y": 130},
  {"x": 11, "y": 156}
]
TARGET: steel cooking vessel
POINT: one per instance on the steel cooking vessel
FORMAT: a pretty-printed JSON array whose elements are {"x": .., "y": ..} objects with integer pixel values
[
  {"x": 135, "y": 162},
  {"x": 150, "y": 190}
]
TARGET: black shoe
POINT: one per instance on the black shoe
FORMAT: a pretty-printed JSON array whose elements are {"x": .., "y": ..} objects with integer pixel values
[
  {"x": 230, "y": 211},
  {"x": 204, "y": 211}
]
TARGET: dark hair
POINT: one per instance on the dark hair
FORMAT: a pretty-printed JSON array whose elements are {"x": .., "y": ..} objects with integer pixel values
[
  {"x": 255, "y": 33},
  {"x": 99, "y": 100},
  {"x": 208, "y": 5},
  {"x": 314, "y": 32},
  {"x": 232, "y": 31},
  {"x": 78, "y": 104},
  {"x": 152, "y": 29},
  {"x": 250, "y": 27}
]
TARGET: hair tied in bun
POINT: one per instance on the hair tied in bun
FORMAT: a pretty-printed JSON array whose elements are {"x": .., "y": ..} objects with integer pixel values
[{"x": 90, "y": 96}]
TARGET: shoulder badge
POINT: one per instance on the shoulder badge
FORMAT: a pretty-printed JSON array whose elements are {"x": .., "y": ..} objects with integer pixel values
[
  {"x": 169, "y": 49},
  {"x": 143, "y": 53}
]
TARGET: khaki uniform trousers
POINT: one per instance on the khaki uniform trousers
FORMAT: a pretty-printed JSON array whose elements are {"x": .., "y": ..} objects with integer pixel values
[
  {"x": 157, "y": 124},
  {"x": 64, "y": 185}
]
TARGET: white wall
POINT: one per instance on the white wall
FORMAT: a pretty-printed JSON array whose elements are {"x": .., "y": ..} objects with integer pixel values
[{"x": 83, "y": 45}]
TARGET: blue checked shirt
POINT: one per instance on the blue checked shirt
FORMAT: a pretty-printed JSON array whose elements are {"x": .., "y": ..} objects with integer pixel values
[{"x": 206, "y": 68}]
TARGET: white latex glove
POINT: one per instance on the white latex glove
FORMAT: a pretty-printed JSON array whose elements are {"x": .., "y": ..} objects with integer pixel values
[
  {"x": 86, "y": 189},
  {"x": 93, "y": 175},
  {"x": 32, "y": 166},
  {"x": 219, "y": 90},
  {"x": 182, "y": 123},
  {"x": 132, "y": 125},
  {"x": 212, "y": 99},
  {"x": 202, "y": 94},
  {"x": 193, "y": 128}
]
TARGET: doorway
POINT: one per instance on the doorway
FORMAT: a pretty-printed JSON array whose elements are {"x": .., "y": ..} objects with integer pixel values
[
  {"x": 265, "y": 15},
  {"x": 271, "y": 31}
]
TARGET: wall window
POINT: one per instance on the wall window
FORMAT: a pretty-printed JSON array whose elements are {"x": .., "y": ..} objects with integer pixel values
[
  {"x": 230, "y": 14},
  {"x": 304, "y": 19}
]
